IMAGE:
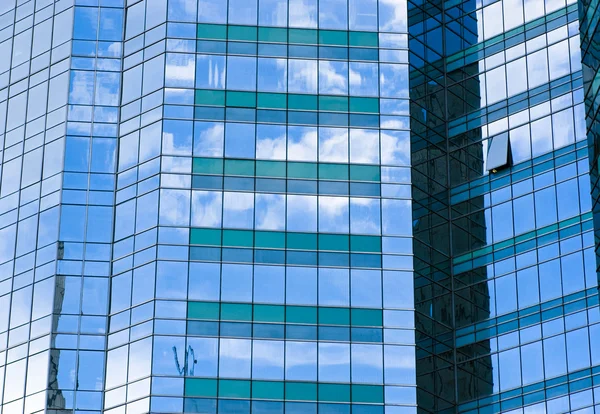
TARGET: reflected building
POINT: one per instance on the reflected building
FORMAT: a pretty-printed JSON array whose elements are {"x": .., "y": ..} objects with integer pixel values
[{"x": 297, "y": 206}]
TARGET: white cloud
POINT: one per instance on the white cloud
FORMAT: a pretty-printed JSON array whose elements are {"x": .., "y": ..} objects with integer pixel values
[
  {"x": 333, "y": 144},
  {"x": 302, "y": 76},
  {"x": 332, "y": 77},
  {"x": 210, "y": 141},
  {"x": 271, "y": 148},
  {"x": 175, "y": 207},
  {"x": 303, "y": 13},
  {"x": 304, "y": 149},
  {"x": 393, "y": 15},
  {"x": 333, "y": 206},
  {"x": 180, "y": 70},
  {"x": 364, "y": 146},
  {"x": 355, "y": 78},
  {"x": 395, "y": 148},
  {"x": 270, "y": 212}
]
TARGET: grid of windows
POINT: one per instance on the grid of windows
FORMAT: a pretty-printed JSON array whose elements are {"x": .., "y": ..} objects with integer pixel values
[
  {"x": 286, "y": 206},
  {"x": 59, "y": 93},
  {"x": 34, "y": 46},
  {"x": 263, "y": 212}
]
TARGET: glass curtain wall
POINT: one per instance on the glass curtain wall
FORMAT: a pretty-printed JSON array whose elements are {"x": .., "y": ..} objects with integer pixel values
[
  {"x": 262, "y": 246},
  {"x": 59, "y": 94},
  {"x": 516, "y": 325}
]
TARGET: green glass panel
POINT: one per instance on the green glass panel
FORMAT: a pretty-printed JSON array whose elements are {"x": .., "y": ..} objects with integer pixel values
[
  {"x": 333, "y": 171},
  {"x": 207, "y": 166},
  {"x": 238, "y": 238},
  {"x": 272, "y": 100},
  {"x": 234, "y": 389},
  {"x": 209, "y": 97},
  {"x": 333, "y": 37},
  {"x": 337, "y": 242},
  {"x": 269, "y": 240},
  {"x": 369, "y": 105},
  {"x": 267, "y": 390},
  {"x": 210, "y": 237},
  {"x": 334, "y": 392},
  {"x": 301, "y": 391},
  {"x": 272, "y": 34},
  {"x": 306, "y": 36},
  {"x": 271, "y": 169},
  {"x": 365, "y": 173},
  {"x": 301, "y": 314},
  {"x": 239, "y": 167},
  {"x": 366, "y": 317},
  {"x": 302, "y": 241},
  {"x": 334, "y": 316},
  {"x": 364, "y": 39},
  {"x": 269, "y": 313},
  {"x": 203, "y": 310},
  {"x": 333, "y": 103},
  {"x": 242, "y": 33},
  {"x": 302, "y": 170},
  {"x": 196, "y": 387},
  {"x": 243, "y": 99},
  {"x": 236, "y": 312},
  {"x": 302, "y": 102},
  {"x": 367, "y": 394},
  {"x": 367, "y": 244},
  {"x": 212, "y": 31}
]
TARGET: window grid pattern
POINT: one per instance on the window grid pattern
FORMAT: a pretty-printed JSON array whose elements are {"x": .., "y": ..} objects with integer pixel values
[
  {"x": 263, "y": 210},
  {"x": 516, "y": 342}
]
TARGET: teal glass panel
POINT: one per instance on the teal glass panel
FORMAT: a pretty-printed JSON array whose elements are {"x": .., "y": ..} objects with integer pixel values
[
  {"x": 366, "y": 317},
  {"x": 210, "y": 97},
  {"x": 238, "y": 238},
  {"x": 334, "y": 392},
  {"x": 301, "y": 314},
  {"x": 239, "y": 167},
  {"x": 247, "y": 33},
  {"x": 335, "y": 242},
  {"x": 271, "y": 169},
  {"x": 196, "y": 387},
  {"x": 334, "y": 316},
  {"x": 207, "y": 237},
  {"x": 272, "y": 100},
  {"x": 272, "y": 34},
  {"x": 269, "y": 313},
  {"x": 236, "y": 312},
  {"x": 301, "y": 391},
  {"x": 207, "y": 166},
  {"x": 212, "y": 31},
  {"x": 269, "y": 240},
  {"x": 333, "y": 171},
  {"x": 241, "y": 99},
  {"x": 365, "y": 173},
  {"x": 367, "y": 244},
  {"x": 302, "y": 170},
  {"x": 333, "y": 103},
  {"x": 203, "y": 310},
  {"x": 306, "y": 36},
  {"x": 302, "y": 241},
  {"x": 333, "y": 37},
  {"x": 367, "y": 394},
  {"x": 369, "y": 39},
  {"x": 368, "y": 105},
  {"x": 234, "y": 389},
  {"x": 302, "y": 102},
  {"x": 268, "y": 390}
]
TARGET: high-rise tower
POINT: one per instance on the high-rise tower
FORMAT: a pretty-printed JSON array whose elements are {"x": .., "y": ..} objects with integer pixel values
[{"x": 297, "y": 206}]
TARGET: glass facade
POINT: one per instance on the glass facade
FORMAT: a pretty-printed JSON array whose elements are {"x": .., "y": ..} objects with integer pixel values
[{"x": 298, "y": 206}]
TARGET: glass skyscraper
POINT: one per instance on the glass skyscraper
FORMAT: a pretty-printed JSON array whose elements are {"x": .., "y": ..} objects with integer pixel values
[{"x": 299, "y": 206}]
